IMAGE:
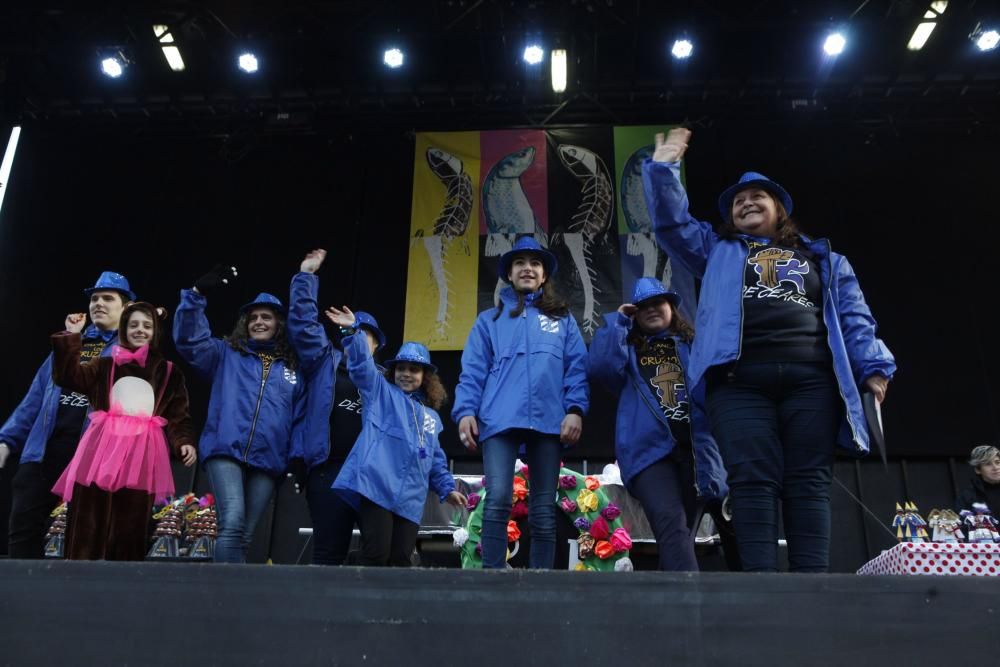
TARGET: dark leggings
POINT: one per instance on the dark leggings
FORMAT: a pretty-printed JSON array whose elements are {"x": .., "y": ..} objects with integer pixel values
[
  {"x": 386, "y": 538},
  {"x": 667, "y": 495},
  {"x": 776, "y": 425}
]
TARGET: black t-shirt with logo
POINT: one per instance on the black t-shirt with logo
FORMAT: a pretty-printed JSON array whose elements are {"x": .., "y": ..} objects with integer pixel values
[
  {"x": 72, "y": 410},
  {"x": 345, "y": 417},
  {"x": 660, "y": 367},
  {"x": 782, "y": 306}
]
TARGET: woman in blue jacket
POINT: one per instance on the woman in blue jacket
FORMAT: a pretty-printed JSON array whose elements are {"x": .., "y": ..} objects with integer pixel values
[
  {"x": 397, "y": 456},
  {"x": 668, "y": 459},
  {"x": 785, "y": 340},
  {"x": 523, "y": 381},
  {"x": 256, "y": 411}
]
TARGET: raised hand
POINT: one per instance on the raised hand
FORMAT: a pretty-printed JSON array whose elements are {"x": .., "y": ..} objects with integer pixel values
[
  {"x": 671, "y": 149},
  {"x": 75, "y": 322},
  {"x": 341, "y": 317},
  {"x": 628, "y": 309},
  {"x": 313, "y": 260},
  {"x": 219, "y": 276}
]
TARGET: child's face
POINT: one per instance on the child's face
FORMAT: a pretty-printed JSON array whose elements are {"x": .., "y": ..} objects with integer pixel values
[
  {"x": 140, "y": 329},
  {"x": 990, "y": 471},
  {"x": 409, "y": 376}
]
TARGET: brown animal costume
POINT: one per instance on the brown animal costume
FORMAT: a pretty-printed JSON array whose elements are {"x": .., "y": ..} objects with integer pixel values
[{"x": 121, "y": 464}]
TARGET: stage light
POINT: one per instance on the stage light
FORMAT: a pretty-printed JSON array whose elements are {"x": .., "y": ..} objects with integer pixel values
[
  {"x": 248, "y": 62},
  {"x": 113, "y": 66},
  {"x": 834, "y": 44},
  {"x": 925, "y": 28},
  {"x": 559, "y": 70},
  {"x": 682, "y": 48},
  {"x": 170, "y": 50},
  {"x": 988, "y": 40},
  {"x": 533, "y": 54},
  {"x": 393, "y": 58},
  {"x": 8, "y": 161}
]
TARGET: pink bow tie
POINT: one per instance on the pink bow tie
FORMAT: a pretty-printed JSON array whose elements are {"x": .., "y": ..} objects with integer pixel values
[{"x": 123, "y": 356}]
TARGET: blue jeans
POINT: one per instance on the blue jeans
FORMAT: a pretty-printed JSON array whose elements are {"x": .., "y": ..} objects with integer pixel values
[
  {"x": 776, "y": 425},
  {"x": 242, "y": 495},
  {"x": 543, "y": 453}
]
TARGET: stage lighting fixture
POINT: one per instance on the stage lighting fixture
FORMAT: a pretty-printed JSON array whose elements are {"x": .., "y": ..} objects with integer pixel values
[
  {"x": 533, "y": 54},
  {"x": 988, "y": 40},
  {"x": 834, "y": 44},
  {"x": 559, "y": 70},
  {"x": 682, "y": 48},
  {"x": 170, "y": 50},
  {"x": 926, "y": 27},
  {"x": 393, "y": 58},
  {"x": 113, "y": 66},
  {"x": 248, "y": 62}
]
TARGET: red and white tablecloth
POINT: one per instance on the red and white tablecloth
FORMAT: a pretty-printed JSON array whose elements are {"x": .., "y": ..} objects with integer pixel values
[{"x": 971, "y": 560}]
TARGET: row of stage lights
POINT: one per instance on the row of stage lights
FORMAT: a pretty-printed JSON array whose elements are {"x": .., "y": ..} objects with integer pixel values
[{"x": 114, "y": 64}]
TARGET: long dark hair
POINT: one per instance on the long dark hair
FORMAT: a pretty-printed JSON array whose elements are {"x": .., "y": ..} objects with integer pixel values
[
  {"x": 679, "y": 326},
  {"x": 239, "y": 339},
  {"x": 549, "y": 303},
  {"x": 786, "y": 232}
]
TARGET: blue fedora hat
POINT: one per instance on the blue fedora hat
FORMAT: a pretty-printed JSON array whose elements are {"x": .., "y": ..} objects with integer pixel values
[
  {"x": 414, "y": 353},
  {"x": 109, "y": 280},
  {"x": 752, "y": 179},
  {"x": 264, "y": 299},
  {"x": 651, "y": 288},
  {"x": 363, "y": 319},
  {"x": 527, "y": 244}
]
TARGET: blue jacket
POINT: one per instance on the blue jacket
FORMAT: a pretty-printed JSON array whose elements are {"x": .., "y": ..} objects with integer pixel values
[
  {"x": 29, "y": 427},
  {"x": 857, "y": 352},
  {"x": 642, "y": 435},
  {"x": 521, "y": 372},
  {"x": 386, "y": 465},
  {"x": 251, "y": 418},
  {"x": 318, "y": 359}
]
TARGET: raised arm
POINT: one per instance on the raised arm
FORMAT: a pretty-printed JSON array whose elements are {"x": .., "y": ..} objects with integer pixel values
[
  {"x": 193, "y": 336},
  {"x": 305, "y": 329},
  {"x": 360, "y": 364},
  {"x": 686, "y": 240},
  {"x": 67, "y": 371},
  {"x": 608, "y": 356}
]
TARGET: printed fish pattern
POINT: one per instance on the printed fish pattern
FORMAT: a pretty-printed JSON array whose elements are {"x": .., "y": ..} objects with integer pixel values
[{"x": 640, "y": 240}]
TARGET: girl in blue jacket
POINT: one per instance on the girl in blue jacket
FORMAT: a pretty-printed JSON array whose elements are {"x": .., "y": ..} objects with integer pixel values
[
  {"x": 256, "y": 412},
  {"x": 785, "y": 340},
  {"x": 397, "y": 456},
  {"x": 523, "y": 381},
  {"x": 667, "y": 457}
]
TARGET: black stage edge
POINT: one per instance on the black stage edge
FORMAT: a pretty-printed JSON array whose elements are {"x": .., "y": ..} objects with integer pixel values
[{"x": 144, "y": 614}]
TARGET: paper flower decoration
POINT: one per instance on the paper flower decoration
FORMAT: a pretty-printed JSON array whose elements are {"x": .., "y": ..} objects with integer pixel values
[
  {"x": 604, "y": 550},
  {"x": 519, "y": 466},
  {"x": 567, "y": 482},
  {"x": 568, "y": 505},
  {"x": 460, "y": 537},
  {"x": 621, "y": 540},
  {"x": 580, "y": 567},
  {"x": 479, "y": 549},
  {"x": 519, "y": 510},
  {"x": 600, "y": 529},
  {"x": 586, "y": 544},
  {"x": 592, "y": 483},
  {"x": 524, "y": 472},
  {"x": 624, "y": 565},
  {"x": 520, "y": 489},
  {"x": 513, "y": 532},
  {"x": 586, "y": 500},
  {"x": 473, "y": 501},
  {"x": 611, "y": 512},
  {"x": 582, "y": 524}
]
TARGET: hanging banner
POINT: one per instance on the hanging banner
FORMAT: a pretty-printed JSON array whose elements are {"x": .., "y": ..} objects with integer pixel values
[{"x": 578, "y": 191}]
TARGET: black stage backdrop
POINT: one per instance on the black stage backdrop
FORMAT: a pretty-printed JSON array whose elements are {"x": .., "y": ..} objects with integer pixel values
[{"x": 907, "y": 206}]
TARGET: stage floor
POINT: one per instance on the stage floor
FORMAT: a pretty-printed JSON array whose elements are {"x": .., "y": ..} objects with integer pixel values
[{"x": 81, "y": 613}]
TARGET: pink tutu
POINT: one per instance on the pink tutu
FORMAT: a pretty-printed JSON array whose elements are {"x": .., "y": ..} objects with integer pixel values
[{"x": 120, "y": 451}]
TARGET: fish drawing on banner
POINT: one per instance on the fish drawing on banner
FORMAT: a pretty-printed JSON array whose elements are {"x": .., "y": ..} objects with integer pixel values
[
  {"x": 591, "y": 219},
  {"x": 506, "y": 208},
  {"x": 451, "y": 222},
  {"x": 640, "y": 241}
]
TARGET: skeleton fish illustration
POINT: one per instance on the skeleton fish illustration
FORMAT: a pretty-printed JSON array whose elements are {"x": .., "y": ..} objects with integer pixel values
[
  {"x": 452, "y": 222},
  {"x": 506, "y": 208},
  {"x": 591, "y": 219},
  {"x": 640, "y": 241}
]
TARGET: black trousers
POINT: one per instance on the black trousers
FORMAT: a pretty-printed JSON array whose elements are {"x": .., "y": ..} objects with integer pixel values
[
  {"x": 332, "y": 519},
  {"x": 386, "y": 538},
  {"x": 32, "y": 501}
]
